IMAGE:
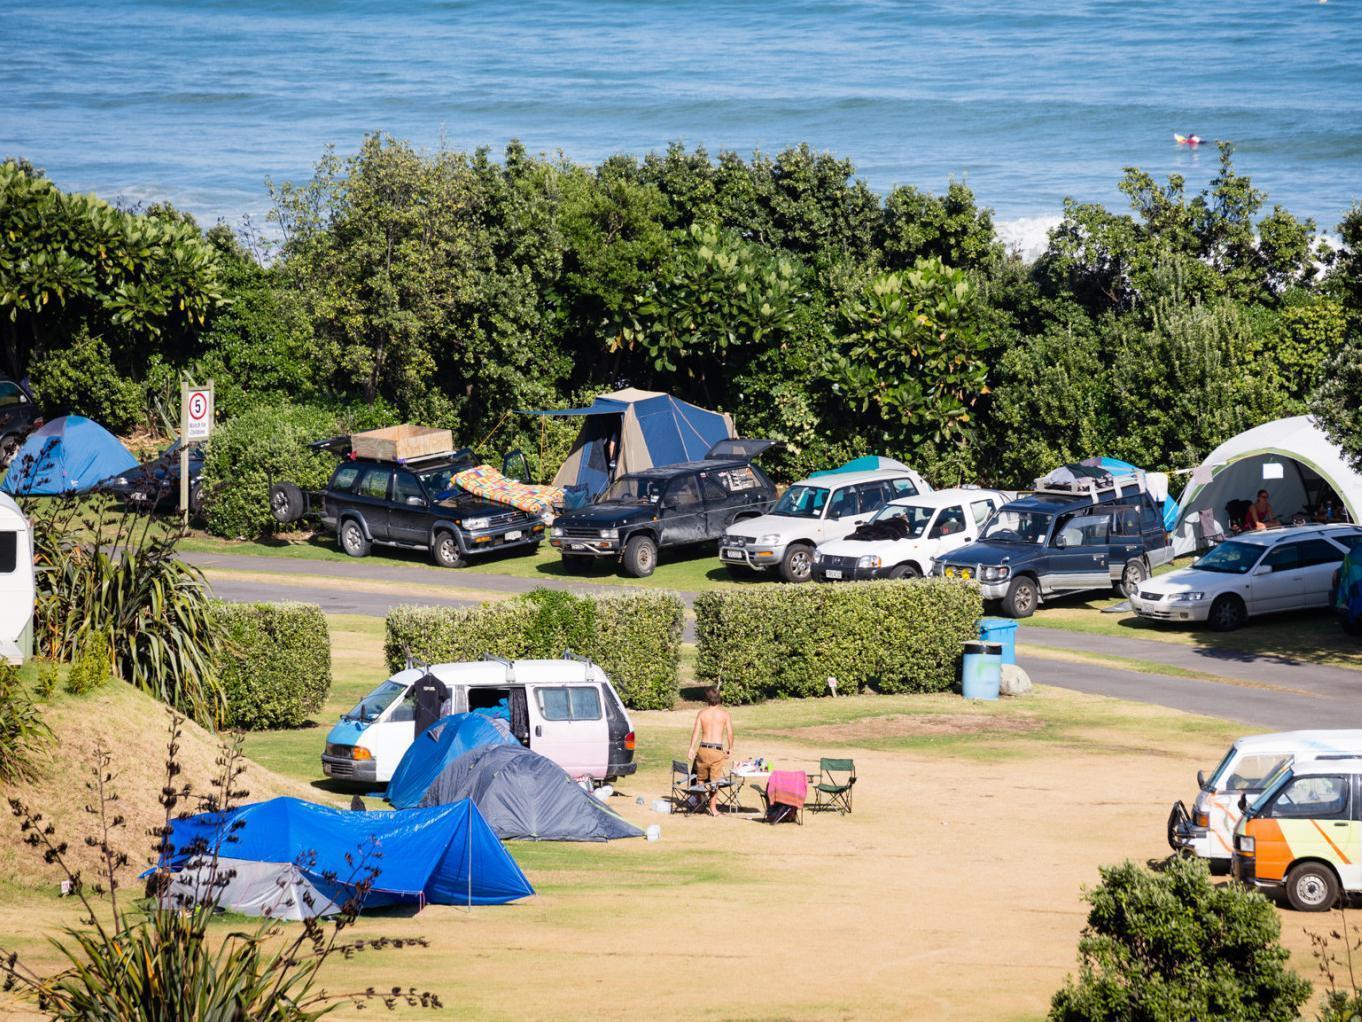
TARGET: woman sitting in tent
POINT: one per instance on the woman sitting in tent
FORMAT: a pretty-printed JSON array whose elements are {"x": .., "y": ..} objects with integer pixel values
[{"x": 1260, "y": 515}]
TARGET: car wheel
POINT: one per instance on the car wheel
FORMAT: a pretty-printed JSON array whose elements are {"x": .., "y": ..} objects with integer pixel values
[
  {"x": 352, "y": 539},
  {"x": 1135, "y": 572},
  {"x": 9, "y": 447},
  {"x": 797, "y": 564},
  {"x": 640, "y": 557},
  {"x": 905, "y": 571},
  {"x": 1227, "y": 613},
  {"x": 1312, "y": 887},
  {"x": 1021, "y": 598},
  {"x": 286, "y": 502},
  {"x": 575, "y": 564},
  {"x": 446, "y": 551},
  {"x": 195, "y": 498}
]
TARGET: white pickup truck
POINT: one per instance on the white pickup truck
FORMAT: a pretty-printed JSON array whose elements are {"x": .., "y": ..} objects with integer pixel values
[
  {"x": 901, "y": 540},
  {"x": 812, "y": 511}
]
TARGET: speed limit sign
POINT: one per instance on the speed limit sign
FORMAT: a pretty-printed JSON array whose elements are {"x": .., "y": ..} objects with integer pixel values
[{"x": 198, "y": 412}]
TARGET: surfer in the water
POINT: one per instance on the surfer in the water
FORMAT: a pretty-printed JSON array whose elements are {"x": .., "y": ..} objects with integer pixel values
[{"x": 1191, "y": 140}]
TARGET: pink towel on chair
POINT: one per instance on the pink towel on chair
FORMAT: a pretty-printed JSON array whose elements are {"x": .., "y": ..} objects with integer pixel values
[{"x": 787, "y": 788}]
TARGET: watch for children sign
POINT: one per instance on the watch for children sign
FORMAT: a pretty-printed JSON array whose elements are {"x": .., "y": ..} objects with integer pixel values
[{"x": 198, "y": 412}]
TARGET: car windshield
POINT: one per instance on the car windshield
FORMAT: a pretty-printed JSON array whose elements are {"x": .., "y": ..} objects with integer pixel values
[
  {"x": 10, "y": 394},
  {"x": 1230, "y": 558},
  {"x": 915, "y": 518},
  {"x": 634, "y": 490},
  {"x": 802, "y": 501},
  {"x": 1017, "y": 527},
  {"x": 439, "y": 481},
  {"x": 371, "y": 706}
]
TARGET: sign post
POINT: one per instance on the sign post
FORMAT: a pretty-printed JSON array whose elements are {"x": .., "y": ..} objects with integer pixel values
[{"x": 196, "y": 425}]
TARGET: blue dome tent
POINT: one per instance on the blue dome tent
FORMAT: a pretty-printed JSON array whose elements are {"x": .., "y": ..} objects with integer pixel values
[
  {"x": 434, "y": 749},
  {"x": 70, "y": 454},
  {"x": 291, "y": 859},
  {"x": 647, "y": 428}
]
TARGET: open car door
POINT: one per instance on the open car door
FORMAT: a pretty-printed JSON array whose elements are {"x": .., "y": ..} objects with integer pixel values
[{"x": 745, "y": 450}]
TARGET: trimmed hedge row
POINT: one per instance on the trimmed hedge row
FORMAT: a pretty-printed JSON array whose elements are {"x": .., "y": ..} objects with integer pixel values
[
  {"x": 786, "y": 641},
  {"x": 635, "y": 637},
  {"x": 275, "y": 665}
]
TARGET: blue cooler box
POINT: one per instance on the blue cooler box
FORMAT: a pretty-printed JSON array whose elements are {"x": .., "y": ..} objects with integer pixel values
[{"x": 1003, "y": 631}]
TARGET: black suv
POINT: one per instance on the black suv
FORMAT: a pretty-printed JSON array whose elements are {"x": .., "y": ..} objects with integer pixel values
[
  {"x": 413, "y": 504},
  {"x": 1095, "y": 535},
  {"x": 19, "y": 416},
  {"x": 668, "y": 506}
]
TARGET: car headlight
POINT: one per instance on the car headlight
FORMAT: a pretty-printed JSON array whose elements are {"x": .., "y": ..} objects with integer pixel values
[
  {"x": 868, "y": 561},
  {"x": 1189, "y": 597},
  {"x": 994, "y": 572},
  {"x": 610, "y": 534},
  {"x": 1245, "y": 843},
  {"x": 474, "y": 524},
  {"x": 557, "y": 530},
  {"x": 771, "y": 540},
  {"x": 121, "y": 481}
]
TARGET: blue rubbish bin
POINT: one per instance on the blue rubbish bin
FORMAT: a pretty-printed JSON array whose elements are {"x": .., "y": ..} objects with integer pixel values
[
  {"x": 1003, "y": 631},
  {"x": 981, "y": 670}
]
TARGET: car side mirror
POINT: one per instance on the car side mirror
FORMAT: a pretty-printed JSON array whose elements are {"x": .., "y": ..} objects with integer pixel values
[
  {"x": 1243, "y": 803},
  {"x": 1201, "y": 779},
  {"x": 1061, "y": 542},
  {"x": 416, "y": 501},
  {"x": 1263, "y": 569}
]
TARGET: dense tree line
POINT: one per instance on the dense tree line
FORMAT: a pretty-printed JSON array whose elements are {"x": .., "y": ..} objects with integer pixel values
[{"x": 451, "y": 288}]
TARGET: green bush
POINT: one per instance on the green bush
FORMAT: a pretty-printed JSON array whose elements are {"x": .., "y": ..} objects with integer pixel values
[
  {"x": 249, "y": 452},
  {"x": 1174, "y": 946},
  {"x": 786, "y": 641},
  {"x": 82, "y": 379},
  {"x": 275, "y": 665},
  {"x": 22, "y": 730},
  {"x": 635, "y": 637}
]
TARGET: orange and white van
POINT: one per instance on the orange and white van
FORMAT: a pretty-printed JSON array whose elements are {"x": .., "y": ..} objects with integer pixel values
[
  {"x": 1246, "y": 770},
  {"x": 1303, "y": 836}
]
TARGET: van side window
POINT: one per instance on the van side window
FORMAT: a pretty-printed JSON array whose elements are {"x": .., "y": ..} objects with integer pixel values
[
  {"x": 9, "y": 552},
  {"x": 981, "y": 509},
  {"x": 1151, "y": 515},
  {"x": 950, "y": 521},
  {"x": 1312, "y": 798},
  {"x": 574, "y": 702},
  {"x": 714, "y": 493},
  {"x": 902, "y": 488},
  {"x": 1251, "y": 772},
  {"x": 375, "y": 483},
  {"x": 403, "y": 712},
  {"x": 344, "y": 479}
]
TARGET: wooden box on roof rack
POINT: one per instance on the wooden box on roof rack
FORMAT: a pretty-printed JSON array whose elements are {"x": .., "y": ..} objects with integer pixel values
[{"x": 402, "y": 443}]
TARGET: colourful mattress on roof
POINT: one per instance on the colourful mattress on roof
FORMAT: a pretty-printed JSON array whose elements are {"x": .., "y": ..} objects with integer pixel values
[{"x": 488, "y": 483}]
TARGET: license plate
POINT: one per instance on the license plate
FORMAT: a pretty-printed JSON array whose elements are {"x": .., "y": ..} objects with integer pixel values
[
  {"x": 576, "y": 546},
  {"x": 833, "y": 573},
  {"x": 733, "y": 553},
  {"x": 139, "y": 496},
  {"x": 513, "y": 535}
]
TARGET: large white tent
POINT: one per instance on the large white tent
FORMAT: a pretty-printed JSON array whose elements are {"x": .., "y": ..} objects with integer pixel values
[{"x": 1290, "y": 458}]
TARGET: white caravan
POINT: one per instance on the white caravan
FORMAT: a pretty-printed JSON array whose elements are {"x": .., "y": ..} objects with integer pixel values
[
  {"x": 16, "y": 582},
  {"x": 566, "y": 710}
]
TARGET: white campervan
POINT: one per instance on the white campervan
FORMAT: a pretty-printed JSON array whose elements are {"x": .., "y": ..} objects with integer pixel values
[
  {"x": 566, "y": 710},
  {"x": 812, "y": 511},
  {"x": 1246, "y": 770},
  {"x": 16, "y": 582},
  {"x": 905, "y": 534}
]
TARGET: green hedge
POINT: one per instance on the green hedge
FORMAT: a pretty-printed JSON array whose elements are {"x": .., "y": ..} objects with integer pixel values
[
  {"x": 275, "y": 664},
  {"x": 786, "y": 641},
  {"x": 635, "y": 637}
]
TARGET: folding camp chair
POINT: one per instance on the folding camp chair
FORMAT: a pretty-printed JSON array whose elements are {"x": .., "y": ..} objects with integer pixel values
[
  {"x": 835, "y": 780},
  {"x": 785, "y": 796},
  {"x": 688, "y": 795}
]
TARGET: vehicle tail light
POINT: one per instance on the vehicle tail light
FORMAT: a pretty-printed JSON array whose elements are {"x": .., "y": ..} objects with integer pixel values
[{"x": 629, "y": 742}]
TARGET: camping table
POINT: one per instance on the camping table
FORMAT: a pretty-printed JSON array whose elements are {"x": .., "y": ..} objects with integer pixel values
[{"x": 740, "y": 779}]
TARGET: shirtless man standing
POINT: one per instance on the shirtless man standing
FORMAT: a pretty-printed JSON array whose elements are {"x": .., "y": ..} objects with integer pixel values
[{"x": 710, "y": 743}]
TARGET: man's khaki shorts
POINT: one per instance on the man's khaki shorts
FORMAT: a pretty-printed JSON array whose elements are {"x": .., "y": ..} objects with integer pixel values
[{"x": 710, "y": 765}]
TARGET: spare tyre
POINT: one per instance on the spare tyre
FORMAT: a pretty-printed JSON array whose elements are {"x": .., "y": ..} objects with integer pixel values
[{"x": 286, "y": 502}]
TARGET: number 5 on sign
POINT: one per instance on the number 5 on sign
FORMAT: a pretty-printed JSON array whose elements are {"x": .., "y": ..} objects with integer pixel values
[{"x": 196, "y": 423}]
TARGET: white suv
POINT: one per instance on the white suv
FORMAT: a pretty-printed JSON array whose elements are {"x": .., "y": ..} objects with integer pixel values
[
  {"x": 813, "y": 511},
  {"x": 1253, "y": 573},
  {"x": 904, "y": 536}
]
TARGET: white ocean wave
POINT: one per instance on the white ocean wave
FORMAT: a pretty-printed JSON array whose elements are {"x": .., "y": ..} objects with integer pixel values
[{"x": 1027, "y": 235}]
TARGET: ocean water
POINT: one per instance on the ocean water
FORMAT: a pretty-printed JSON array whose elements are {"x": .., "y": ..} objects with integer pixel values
[{"x": 1027, "y": 101}]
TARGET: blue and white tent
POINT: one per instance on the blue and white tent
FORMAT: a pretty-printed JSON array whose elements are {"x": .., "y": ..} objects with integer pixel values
[
  {"x": 70, "y": 454},
  {"x": 434, "y": 749},
  {"x": 290, "y": 859},
  {"x": 647, "y": 428}
]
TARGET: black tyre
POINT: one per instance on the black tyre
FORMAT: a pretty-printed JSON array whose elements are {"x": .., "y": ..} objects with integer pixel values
[
  {"x": 446, "y": 551},
  {"x": 797, "y": 564},
  {"x": 905, "y": 571},
  {"x": 9, "y": 447},
  {"x": 352, "y": 538},
  {"x": 1227, "y": 613},
  {"x": 1022, "y": 598},
  {"x": 640, "y": 557},
  {"x": 575, "y": 564},
  {"x": 195, "y": 498},
  {"x": 286, "y": 502},
  {"x": 1135, "y": 572},
  {"x": 1312, "y": 887}
]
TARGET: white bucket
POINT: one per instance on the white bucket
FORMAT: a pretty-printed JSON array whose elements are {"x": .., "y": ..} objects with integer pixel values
[
  {"x": 654, "y": 833},
  {"x": 604, "y": 792},
  {"x": 661, "y": 805}
]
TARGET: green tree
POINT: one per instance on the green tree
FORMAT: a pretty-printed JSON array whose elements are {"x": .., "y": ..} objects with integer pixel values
[
  {"x": 82, "y": 379},
  {"x": 951, "y": 227},
  {"x": 1171, "y": 946},
  {"x": 1337, "y": 405}
]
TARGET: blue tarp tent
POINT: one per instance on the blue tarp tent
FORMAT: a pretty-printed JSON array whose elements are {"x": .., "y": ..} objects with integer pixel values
[
  {"x": 869, "y": 463},
  {"x": 647, "y": 429},
  {"x": 288, "y": 859},
  {"x": 434, "y": 749},
  {"x": 68, "y": 455},
  {"x": 1170, "y": 506}
]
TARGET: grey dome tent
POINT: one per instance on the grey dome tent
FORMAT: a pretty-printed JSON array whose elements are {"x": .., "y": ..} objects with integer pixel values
[{"x": 524, "y": 796}]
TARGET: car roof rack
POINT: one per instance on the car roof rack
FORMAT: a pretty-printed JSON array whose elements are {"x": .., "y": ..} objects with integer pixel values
[
  {"x": 569, "y": 655},
  {"x": 1095, "y": 487},
  {"x": 493, "y": 658}
]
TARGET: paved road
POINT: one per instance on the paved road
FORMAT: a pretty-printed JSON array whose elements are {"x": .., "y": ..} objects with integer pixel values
[{"x": 1267, "y": 690}]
